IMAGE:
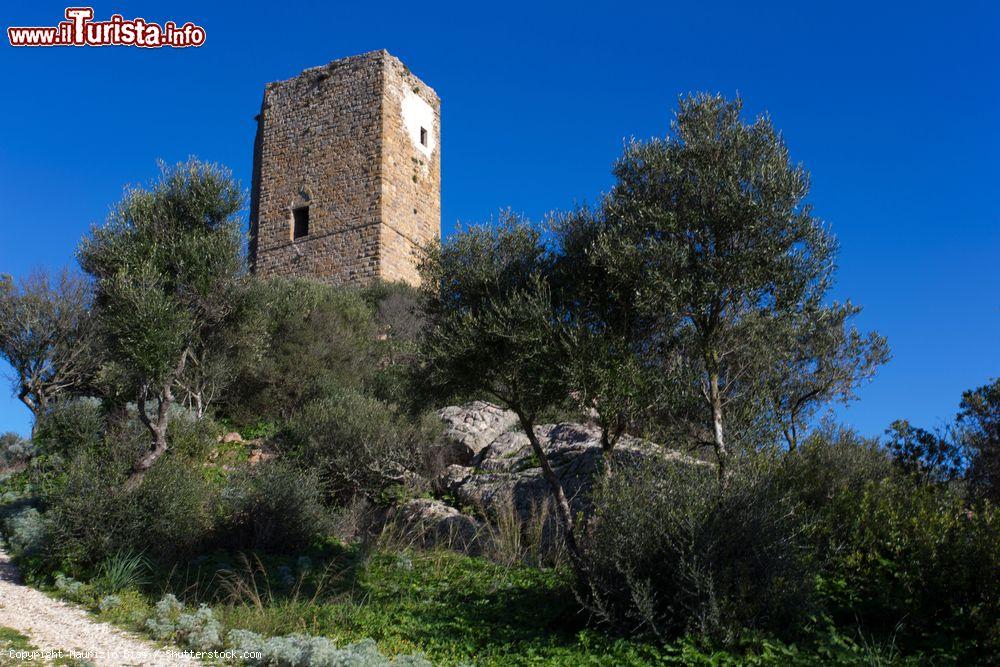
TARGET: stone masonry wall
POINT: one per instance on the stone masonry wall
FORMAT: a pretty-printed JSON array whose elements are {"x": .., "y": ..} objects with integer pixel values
[
  {"x": 411, "y": 172},
  {"x": 345, "y": 139}
]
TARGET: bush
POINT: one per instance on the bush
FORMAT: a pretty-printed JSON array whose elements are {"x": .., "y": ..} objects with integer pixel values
[
  {"x": 360, "y": 445},
  {"x": 912, "y": 560},
  {"x": 317, "y": 337},
  {"x": 400, "y": 323},
  {"x": 14, "y": 450},
  {"x": 171, "y": 511},
  {"x": 671, "y": 551},
  {"x": 92, "y": 516},
  {"x": 272, "y": 507},
  {"x": 904, "y": 557},
  {"x": 832, "y": 466},
  {"x": 69, "y": 427},
  {"x": 305, "y": 651},
  {"x": 199, "y": 631},
  {"x": 24, "y": 529},
  {"x": 190, "y": 436}
]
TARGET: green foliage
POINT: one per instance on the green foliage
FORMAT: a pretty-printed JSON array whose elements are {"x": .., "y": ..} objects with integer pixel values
[
  {"x": 901, "y": 556},
  {"x": 24, "y": 528},
  {"x": 12, "y": 641},
  {"x": 671, "y": 551},
  {"x": 912, "y": 560},
  {"x": 360, "y": 445},
  {"x": 165, "y": 253},
  {"x": 978, "y": 429},
  {"x": 611, "y": 371},
  {"x": 401, "y": 323},
  {"x": 495, "y": 329},
  {"x": 91, "y": 515},
  {"x": 816, "y": 357},
  {"x": 833, "y": 465},
  {"x": 711, "y": 227},
  {"x": 305, "y": 651},
  {"x": 15, "y": 450},
  {"x": 318, "y": 338},
  {"x": 122, "y": 571},
  {"x": 69, "y": 427},
  {"x": 48, "y": 338},
  {"x": 273, "y": 507},
  {"x": 190, "y": 436},
  {"x": 199, "y": 630},
  {"x": 923, "y": 453},
  {"x": 492, "y": 317},
  {"x": 170, "y": 278}
]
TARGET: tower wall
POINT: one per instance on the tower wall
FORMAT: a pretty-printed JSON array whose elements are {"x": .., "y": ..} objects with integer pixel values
[
  {"x": 346, "y": 140},
  {"x": 411, "y": 172}
]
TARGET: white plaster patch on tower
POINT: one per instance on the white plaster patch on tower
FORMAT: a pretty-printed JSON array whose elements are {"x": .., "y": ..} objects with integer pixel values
[{"x": 418, "y": 119}]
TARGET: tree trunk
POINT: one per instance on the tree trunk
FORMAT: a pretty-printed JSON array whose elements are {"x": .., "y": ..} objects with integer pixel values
[
  {"x": 158, "y": 427},
  {"x": 607, "y": 446},
  {"x": 25, "y": 397},
  {"x": 715, "y": 398},
  {"x": 158, "y": 431},
  {"x": 562, "y": 504}
]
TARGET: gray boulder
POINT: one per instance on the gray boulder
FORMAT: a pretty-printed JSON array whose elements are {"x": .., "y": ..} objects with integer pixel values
[
  {"x": 507, "y": 472},
  {"x": 471, "y": 427},
  {"x": 436, "y": 524}
]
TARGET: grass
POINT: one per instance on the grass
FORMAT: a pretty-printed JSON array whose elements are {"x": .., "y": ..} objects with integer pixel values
[
  {"x": 452, "y": 608},
  {"x": 457, "y": 610}
]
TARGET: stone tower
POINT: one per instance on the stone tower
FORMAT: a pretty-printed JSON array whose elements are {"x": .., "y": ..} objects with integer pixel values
[{"x": 346, "y": 173}]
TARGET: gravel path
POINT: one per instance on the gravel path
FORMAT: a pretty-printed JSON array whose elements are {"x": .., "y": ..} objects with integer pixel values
[{"x": 55, "y": 625}]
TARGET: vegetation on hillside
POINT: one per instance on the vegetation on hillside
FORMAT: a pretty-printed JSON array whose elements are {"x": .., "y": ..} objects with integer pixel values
[{"x": 690, "y": 307}]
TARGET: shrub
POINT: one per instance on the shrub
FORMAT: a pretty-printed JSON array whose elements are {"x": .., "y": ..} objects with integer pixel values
[
  {"x": 190, "y": 436},
  {"x": 273, "y": 507},
  {"x": 400, "y": 323},
  {"x": 318, "y": 336},
  {"x": 306, "y": 651},
  {"x": 360, "y": 444},
  {"x": 671, "y": 551},
  {"x": 92, "y": 516},
  {"x": 171, "y": 511},
  {"x": 200, "y": 630},
  {"x": 125, "y": 570},
  {"x": 164, "y": 620},
  {"x": 24, "y": 529},
  {"x": 904, "y": 556},
  {"x": 14, "y": 450},
  {"x": 912, "y": 560},
  {"x": 69, "y": 427},
  {"x": 85, "y": 513},
  {"x": 833, "y": 466}
]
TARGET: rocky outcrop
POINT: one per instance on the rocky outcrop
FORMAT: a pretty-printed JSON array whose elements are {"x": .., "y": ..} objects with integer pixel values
[
  {"x": 436, "y": 524},
  {"x": 495, "y": 480},
  {"x": 470, "y": 428},
  {"x": 506, "y": 472}
]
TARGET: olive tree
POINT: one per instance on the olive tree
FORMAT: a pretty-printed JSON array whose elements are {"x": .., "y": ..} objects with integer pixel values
[
  {"x": 167, "y": 266},
  {"x": 715, "y": 217},
  {"x": 817, "y": 357},
  {"x": 493, "y": 330},
  {"x": 47, "y": 337},
  {"x": 609, "y": 367}
]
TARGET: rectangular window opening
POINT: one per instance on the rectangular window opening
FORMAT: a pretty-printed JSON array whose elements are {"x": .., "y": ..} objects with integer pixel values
[
  {"x": 300, "y": 222},
  {"x": 423, "y": 136}
]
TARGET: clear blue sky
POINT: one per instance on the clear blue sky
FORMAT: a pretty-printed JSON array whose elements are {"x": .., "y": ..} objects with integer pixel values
[{"x": 893, "y": 107}]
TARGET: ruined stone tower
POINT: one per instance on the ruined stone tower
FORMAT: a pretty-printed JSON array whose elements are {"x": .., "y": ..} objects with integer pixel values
[{"x": 347, "y": 173}]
